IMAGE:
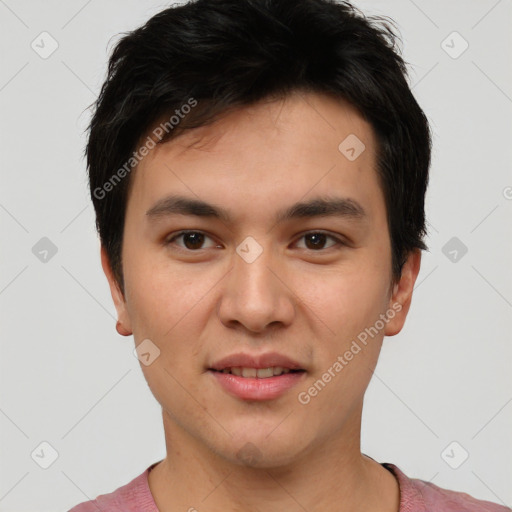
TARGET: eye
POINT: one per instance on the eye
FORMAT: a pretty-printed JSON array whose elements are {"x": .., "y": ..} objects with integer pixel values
[
  {"x": 315, "y": 240},
  {"x": 192, "y": 240}
]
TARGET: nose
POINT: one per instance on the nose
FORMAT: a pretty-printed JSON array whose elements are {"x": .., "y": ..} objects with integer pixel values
[{"x": 256, "y": 295}]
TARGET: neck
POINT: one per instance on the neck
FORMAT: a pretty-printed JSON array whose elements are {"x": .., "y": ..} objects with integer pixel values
[{"x": 331, "y": 476}]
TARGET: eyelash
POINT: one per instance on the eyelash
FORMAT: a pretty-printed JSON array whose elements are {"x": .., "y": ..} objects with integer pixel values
[{"x": 339, "y": 242}]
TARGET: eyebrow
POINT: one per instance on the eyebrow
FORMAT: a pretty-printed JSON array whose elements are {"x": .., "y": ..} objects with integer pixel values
[{"x": 316, "y": 207}]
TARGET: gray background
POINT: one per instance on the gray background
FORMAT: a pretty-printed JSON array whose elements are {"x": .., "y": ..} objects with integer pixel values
[{"x": 68, "y": 379}]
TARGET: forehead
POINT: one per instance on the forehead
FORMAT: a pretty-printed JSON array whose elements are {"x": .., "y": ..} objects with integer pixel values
[{"x": 282, "y": 150}]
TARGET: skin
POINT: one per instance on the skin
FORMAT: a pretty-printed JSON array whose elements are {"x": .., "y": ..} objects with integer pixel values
[{"x": 306, "y": 303}]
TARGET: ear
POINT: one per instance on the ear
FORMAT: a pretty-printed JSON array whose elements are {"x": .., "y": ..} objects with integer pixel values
[
  {"x": 123, "y": 325},
  {"x": 401, "y": 297}
]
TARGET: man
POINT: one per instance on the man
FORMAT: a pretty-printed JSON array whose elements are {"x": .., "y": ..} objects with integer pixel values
[{"x": 258, "y": 170}]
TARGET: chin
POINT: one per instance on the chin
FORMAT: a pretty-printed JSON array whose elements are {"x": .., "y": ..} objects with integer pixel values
[{"x": 260, "y": 451}]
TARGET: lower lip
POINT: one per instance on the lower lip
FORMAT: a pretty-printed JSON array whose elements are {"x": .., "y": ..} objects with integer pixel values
[{"x": 248, "y": 388}]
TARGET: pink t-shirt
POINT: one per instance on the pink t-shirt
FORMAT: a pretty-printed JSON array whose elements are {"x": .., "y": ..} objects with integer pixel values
[{"x": 415, "y": 496}]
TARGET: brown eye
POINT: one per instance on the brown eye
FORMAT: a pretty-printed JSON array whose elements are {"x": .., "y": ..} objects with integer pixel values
[
  {"x": 316, "y": 241},
  {"x": 191, "y": 240}
]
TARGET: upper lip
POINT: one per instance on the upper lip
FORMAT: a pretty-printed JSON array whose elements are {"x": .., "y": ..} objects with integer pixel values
[{"x": 267, "y": 360}]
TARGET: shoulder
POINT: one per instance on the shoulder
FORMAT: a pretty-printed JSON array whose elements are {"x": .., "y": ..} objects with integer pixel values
[
  {"x": 132, "y": 497},
  {"x": 420, "y": 496}
]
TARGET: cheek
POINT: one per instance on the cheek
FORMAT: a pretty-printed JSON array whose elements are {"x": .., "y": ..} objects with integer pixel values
[
  {"x": 348, "y": 299},
  {"x": 162, "y": 297},
  {"x": 350, "y": 306},
  {"x": 166, "y": 307}
]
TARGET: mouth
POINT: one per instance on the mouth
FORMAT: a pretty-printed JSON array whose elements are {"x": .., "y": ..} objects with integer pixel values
[
  {"x": 257, "y": 373},
  {"x": 262, "y": 377},
  {"x": 249, "y": 386},
  {"x": 248, "y": 365}
]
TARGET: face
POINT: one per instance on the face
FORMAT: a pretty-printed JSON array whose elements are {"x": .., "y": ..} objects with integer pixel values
[{"x": 258, "y": 281}]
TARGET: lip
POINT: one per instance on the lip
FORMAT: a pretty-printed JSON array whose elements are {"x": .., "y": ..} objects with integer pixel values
[
  {"x": 256, "y": 361},
  {"x": 248, "y": 388}
]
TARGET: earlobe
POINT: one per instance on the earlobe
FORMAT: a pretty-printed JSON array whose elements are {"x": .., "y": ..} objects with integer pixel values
[
  {"x": 123, "y": 325},
  {"x": 121, "y": 330},
  {"x": 401, "y": 297}
]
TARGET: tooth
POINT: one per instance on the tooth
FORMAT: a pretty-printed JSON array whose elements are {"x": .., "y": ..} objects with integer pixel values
[
  {"x": 286, "y": 370},
  {"x": 236, "y": 371},
  {"x": 226, "y": 370},
  {"x": 263, "y": 373},
  {"x": 278, "y": 370},
  {"x": 249, "y": 372}
]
